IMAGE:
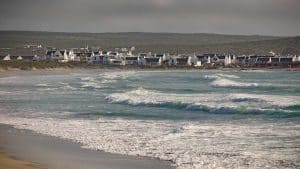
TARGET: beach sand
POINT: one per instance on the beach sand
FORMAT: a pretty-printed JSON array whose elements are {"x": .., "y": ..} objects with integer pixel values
[
  {"x": 7, "y": 162},
  {"x": 54, "y": 153}
]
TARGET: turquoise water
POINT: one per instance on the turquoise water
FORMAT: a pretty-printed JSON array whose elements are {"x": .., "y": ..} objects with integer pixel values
[{"x": 248, "y": 111}]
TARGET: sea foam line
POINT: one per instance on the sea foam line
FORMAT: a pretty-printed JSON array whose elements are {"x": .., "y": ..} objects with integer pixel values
[{"x": 191, "y": 145}]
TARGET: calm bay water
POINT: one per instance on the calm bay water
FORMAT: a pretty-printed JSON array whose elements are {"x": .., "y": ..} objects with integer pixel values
[{"x": 197, "y": 119}]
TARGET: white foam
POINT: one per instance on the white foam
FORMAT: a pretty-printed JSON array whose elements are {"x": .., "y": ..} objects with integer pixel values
[
  {"x": 41, "y": 85},
  {"x": 210, "y": 100},
  {"x": 222, "y": 82},
  {"x": 91, "y": 79},
  {"x": 228, "y": 76},
  {"x": 190, "y": 145},
  {"x": 118, "y": 75},
  {"x": 211, "y": 76},
  {"x": 225, "y": 80},
  {"x": 91, "y": 85}
]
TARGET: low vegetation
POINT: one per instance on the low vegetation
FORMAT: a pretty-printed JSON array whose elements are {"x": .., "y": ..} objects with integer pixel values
[{"x": 13, "y": 42}]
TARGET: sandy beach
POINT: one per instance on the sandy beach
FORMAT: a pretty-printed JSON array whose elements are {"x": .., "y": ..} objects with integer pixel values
[
  {"x": 7, "y": 162},
  {"x": 51, "y": 153}
]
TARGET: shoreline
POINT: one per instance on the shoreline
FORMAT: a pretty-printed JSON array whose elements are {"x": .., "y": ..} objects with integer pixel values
[
  {"x": 55, "y": 153},
  {"x": 56, "y": 66},
  {"x": 9, "y": 69}
]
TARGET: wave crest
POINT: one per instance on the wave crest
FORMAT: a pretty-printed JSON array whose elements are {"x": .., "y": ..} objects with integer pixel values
[{"x": 208, "y": 102}]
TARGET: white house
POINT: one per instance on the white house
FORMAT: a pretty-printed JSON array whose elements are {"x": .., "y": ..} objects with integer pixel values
[
  {"x": 55, "y": 55},
  {"x": 7, "y": 57},
  {"x": 192, "y": 60},
  {"x": 71, "y": 55}
]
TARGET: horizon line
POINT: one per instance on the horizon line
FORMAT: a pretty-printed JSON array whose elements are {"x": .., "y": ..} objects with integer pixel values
[{"x": 229, "y": 34}]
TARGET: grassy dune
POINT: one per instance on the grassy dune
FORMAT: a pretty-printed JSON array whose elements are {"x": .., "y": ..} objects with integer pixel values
[{"x": 155, "y": 42}]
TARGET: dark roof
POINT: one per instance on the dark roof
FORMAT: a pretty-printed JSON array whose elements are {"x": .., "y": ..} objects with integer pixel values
[
  {"x": 116, "y": 61},
  {"x": 13, "y": 57},
  {"x": 286, "y": 59},
  {"x": 160, "y": 55},
  {"x": 131, "y": 58},
  {"x": 253, "y": 56},
  {"x": 89, "y": 54},
  {"x": 221, "y": 56},
  {"x": 152, "y": 59},
  {"x": 209, "y": 54},
  {"x": 241, "y": 57},
  {"x": 50, "y": 52},
  {"x": 181, "y": 60},
  {"x": 263, "y": 59},
  {"x": 201, "y": 57},
  {"x": 62, "y": 52},
  {"x": 275, "y": 59},
  {"x": 28, "y": 57}
]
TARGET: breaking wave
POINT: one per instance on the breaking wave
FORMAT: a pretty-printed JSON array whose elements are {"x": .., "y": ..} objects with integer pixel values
[
  {"x": 208, "y": 102},
  {"x": 225, "y": 80}
]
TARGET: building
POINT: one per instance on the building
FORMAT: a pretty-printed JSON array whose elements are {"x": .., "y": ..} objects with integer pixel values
[
  {"x": 130, "y": 60},
  {"x": 152, "y": 61}
]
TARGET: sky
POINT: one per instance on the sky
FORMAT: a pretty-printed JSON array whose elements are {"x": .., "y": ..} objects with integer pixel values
[{"x": 247, "y": 17}]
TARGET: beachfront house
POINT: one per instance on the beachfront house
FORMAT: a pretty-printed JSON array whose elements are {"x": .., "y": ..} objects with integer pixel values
[
  {"x": 152, "y": 61},
  {"x": 7, "y": 57},
  {"x": 95, "y": 58},
  {"x": 49, "y": 54},
  {"x": 99, "y": 58},
  {"x": 286, "y": 60},
  {"x": 221, "y": 59},
  {"x": 193, "y": 60},
  {"x": 241, "y": 60},
  {"x": 263, "y": 60},
  {"x": 114, "y": 58},
  {"x": 180, "y": 61},
  {"x": 71, "y": 55},
  {"x": 55, "y": 55},
  {"x": 130, "y": 60}
]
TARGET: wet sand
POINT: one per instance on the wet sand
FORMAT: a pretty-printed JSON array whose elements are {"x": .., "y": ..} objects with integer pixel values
[
  {"x": 7, "y": 162},
  {"x": 53, "y": 153}
]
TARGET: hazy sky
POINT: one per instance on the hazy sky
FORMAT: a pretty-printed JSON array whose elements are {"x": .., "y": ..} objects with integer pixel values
[{"x": 265, "y": 17}]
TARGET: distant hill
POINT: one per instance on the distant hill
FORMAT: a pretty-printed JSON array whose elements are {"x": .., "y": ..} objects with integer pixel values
[{"x": 155, "y": 42}]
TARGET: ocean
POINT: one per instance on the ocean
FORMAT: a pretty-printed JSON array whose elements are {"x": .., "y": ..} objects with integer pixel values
[{"x": 194, "y": 118}]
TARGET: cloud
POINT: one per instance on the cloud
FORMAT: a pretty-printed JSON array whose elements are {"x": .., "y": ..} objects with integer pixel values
[{"x": 272, "y": 17}]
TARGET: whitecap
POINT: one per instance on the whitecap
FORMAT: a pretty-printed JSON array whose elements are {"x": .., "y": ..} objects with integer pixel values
[
  {"x": 87, "y": 79},
  {"x": 222, "y": 82},
  {"x": 142, "y": 96},
  {"x": 118, "y": 75},
  {"x": 228, "y": 76},
  {"x": 91, "y": 85},
  {"x": 41, "y": 85}
]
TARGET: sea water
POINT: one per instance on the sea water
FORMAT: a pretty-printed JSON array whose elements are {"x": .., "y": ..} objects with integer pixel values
[{"x": 196, "y": 119}]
